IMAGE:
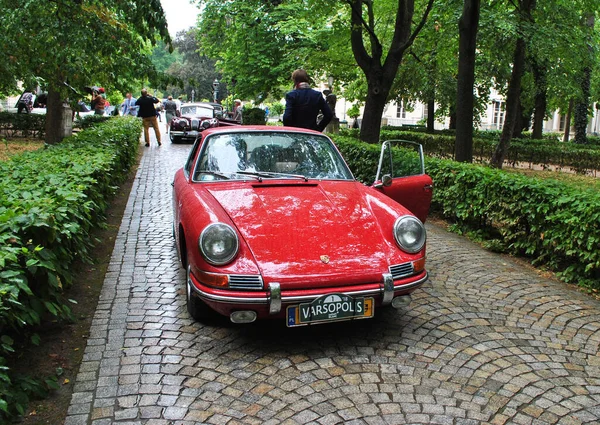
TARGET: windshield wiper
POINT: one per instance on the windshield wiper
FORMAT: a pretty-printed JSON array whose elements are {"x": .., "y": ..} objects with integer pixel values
[
  {"x": 214, "y": 173},
  {"x": 270, "y": 175}
]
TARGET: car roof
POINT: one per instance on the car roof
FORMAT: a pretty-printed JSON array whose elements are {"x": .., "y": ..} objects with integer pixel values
[
  {"x": 203, "y": 104},
  {"x": 253, "y": 128}
]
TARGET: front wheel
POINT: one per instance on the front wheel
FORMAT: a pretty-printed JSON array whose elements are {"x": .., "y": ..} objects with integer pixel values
[
  {"x": 175, "y": 139},
  {"x": 195, "y": 306}
]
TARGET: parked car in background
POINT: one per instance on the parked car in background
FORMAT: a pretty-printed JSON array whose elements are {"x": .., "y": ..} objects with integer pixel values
[
  {"x": 269, "y": 222},
  {"x": 195, "y": 118}
]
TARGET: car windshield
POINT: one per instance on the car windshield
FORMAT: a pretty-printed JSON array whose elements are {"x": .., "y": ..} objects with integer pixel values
[
  {"x": 263, "y": 155},
  {"x": 201, "y": 111}
]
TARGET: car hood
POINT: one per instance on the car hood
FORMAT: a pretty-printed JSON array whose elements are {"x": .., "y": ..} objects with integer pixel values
[{"x": 309, "y": 230}]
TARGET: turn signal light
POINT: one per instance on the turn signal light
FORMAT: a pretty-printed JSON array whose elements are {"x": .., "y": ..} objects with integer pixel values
[
  {"x": 214, "y": 280},
  {"x": 419, "y": 265}
]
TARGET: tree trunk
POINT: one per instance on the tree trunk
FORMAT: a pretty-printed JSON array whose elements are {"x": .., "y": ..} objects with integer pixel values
[
  {"x": 380, "y": 72},
  {"x": 582, "y": 107},
  {"x": 370, "y": 127},
  {"x": 468, "y": 26},
  {"x": 518, "y": 130},
  {"x": 514, "y": 89},
  {"x": 59, "y": 118},
  {"x": 452, "y": 118},
  {"x": 541, "y": 90},
  {"x": 568, "y": 122},
  {"x": 512, "y": 105},
  {"x": 431, "y": 115}
]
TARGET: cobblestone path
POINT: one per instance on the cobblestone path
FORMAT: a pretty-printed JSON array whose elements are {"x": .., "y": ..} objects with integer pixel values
[{"x": 485, "y": 342}]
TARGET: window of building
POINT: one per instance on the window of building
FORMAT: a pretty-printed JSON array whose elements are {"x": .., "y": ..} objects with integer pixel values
[
  {"x": 498, "y": 117},
  {"x": 562, "y": 122},
  {"x": 425, "y": 111},
  {"x": 400, "y": 112}
]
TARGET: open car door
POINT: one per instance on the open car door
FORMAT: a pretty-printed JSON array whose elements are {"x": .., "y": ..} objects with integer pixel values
[{"x": 401, "y": 176}]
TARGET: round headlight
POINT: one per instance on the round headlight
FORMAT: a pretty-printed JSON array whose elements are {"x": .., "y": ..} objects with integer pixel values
[
  {"x": 410, "y": 234},
  {"x": 218, "y": 243}
]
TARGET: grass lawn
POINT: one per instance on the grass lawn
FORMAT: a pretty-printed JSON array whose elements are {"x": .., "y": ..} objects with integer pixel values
[
  {"x": 12, "y": 147},
  {"x": 585, "y": 182}
]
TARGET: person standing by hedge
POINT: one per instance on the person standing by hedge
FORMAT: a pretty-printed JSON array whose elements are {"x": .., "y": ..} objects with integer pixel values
[
  {"x": 147, "y": 112},
  {"x": 303, "y": 104}
]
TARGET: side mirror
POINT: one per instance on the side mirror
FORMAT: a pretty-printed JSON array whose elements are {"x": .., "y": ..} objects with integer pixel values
[{"x": 386, "y": 180}]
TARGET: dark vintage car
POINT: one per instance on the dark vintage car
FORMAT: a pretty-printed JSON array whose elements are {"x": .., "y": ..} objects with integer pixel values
[
  {"x": 269, "y": 222},
  {"x": 195, "y": 118}
]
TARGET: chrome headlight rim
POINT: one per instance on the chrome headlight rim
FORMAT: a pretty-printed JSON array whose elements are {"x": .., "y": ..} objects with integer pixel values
[
  {"x": 400, "y": 225},
  {"x": 225, "y": 229}
]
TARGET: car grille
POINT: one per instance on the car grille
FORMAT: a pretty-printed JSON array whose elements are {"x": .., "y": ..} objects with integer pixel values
[
  {"x": 246, "y": 282},
  {"x": 195, "y": 123},
  {"x": 401, "y": 270}
]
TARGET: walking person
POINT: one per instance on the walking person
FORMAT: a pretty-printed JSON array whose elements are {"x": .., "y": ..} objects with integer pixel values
[
  {"x": 303, "y": 104},
  {"x": 237, "y": 110},
  {"x": 128, "y": 106},
  {"x": 147, "y": 112},
  {"x": 170, "y": 111}
]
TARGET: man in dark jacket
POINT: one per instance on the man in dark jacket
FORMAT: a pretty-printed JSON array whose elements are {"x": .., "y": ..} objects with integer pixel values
[
  {"x": 147, "y": 112},
  {"x": 303, "y": 104}
]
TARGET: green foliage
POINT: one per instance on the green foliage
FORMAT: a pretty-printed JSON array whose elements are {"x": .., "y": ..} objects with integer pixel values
[
  {"x": 553, "y": 223},
  {"x": 91, "y": 120},
  {"x": 276, "y": 108},
  {"x": 260, "y": 43},
  {"x": 188, "y": 70},
  {"x": 49, "y": 201},
  {"x": 254, "y": 116},
  {"x": 353, "y": 111},
  {"x": 85, "y": 43}
]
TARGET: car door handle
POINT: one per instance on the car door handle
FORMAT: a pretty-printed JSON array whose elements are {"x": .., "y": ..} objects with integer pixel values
[{"x": 428, "y": 187}]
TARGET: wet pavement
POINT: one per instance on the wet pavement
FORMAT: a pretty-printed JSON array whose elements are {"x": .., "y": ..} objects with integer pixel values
[{"x": 486, "y": 341}]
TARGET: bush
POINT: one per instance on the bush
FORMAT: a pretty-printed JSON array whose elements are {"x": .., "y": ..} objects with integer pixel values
[
  {"x": 22, "y": 125},
  {"x": 50, "y": 200},
  {"x": 254, "y": 116},
  {"x": 555, "y": 224},
  {"x": 90, "y": 120}
]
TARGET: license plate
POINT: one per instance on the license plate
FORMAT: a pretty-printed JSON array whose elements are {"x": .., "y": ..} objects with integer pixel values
[{"x": 330, "y": 308}]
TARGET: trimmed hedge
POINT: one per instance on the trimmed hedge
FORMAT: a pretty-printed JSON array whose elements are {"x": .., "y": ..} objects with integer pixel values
[
  {"x": 22, "y": 125},
  {"x": 544, "y": 153},
  {"x": 554, "y": 224},
  {"x": 50, "y": 200}
]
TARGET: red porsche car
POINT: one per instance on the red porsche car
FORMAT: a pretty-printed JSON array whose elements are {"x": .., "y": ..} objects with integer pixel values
[{"x": 269, "y": 222}]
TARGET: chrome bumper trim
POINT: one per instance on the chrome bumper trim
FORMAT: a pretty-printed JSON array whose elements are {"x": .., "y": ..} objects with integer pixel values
[
  {"x": 274, "y": 298},
  {"x": 303, "y": 298},
  {"x": 387, "y": 289}
]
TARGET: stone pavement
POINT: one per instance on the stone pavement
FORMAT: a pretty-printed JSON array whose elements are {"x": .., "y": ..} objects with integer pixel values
[{"x": 486, "y": 341}]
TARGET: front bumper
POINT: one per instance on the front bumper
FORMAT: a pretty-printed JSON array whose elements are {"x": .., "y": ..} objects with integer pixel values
[
  {"x": 273, "y": 301},
  {"x": 184, "y": 135}
]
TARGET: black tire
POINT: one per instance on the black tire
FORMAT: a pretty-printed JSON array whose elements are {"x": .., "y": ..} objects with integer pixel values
[
  {"x": 175, "y": 139},
  {"x": 195, "y": 306}
]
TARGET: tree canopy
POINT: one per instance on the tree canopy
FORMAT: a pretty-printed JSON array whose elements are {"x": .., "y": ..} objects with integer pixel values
[
  {"x": 261, "y": 41},
  {"x": 66, "y": 45}
]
